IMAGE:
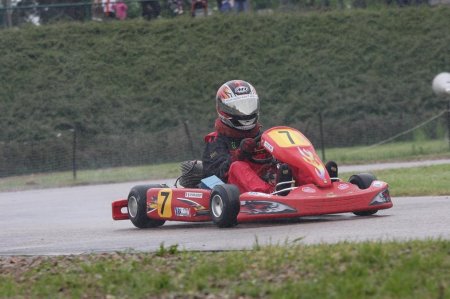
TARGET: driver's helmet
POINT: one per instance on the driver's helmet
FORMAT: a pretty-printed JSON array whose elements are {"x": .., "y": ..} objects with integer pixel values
[{"x": 237, "y": 104}]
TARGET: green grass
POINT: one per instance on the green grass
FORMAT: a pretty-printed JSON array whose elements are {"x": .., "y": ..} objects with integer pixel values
[
  {"x": 414, "y": 269},
  {"x": 429, "y": 180},
  {"x": 398, "y": 151},
  {"x": 90, "y": 177}
]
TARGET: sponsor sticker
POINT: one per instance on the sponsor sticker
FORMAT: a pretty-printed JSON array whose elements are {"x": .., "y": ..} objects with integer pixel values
[
  {"x": 377, "y": 184},
  {"x": 241, "y": 90},
  {"x": 193, "y": 195},
  {"x": 182, "y": 212},
  {"x": 342, "y": 186},
  {"x": 268, "y": 146},
  {"x": 259, "y": 194},
  {"x": 308, "y": 190}
]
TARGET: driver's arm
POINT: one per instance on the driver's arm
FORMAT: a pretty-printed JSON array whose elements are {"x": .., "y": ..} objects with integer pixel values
[{"x": 216, "y": 159}]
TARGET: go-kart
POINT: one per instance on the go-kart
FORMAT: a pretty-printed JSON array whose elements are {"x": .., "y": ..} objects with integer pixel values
[{"x": 151, "y": 205}]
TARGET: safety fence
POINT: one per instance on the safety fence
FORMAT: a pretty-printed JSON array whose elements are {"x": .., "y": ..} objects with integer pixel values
[{"x": 73, "y": 150}]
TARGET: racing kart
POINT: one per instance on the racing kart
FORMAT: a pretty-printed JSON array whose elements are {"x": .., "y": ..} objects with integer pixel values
[{"x": 151, "y": 205}]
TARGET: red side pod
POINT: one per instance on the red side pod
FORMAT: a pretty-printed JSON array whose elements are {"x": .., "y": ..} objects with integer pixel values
[{"x": 117, "y": 209}]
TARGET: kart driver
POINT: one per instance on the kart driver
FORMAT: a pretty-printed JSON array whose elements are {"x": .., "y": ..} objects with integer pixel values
[{"x": 232, "y": 143}]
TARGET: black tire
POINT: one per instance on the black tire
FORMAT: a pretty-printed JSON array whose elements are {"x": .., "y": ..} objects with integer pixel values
[
  {"x": 137, "y": 207},
  {"x": 363, "y": 181},
  {"x": 225, "y": 205}
]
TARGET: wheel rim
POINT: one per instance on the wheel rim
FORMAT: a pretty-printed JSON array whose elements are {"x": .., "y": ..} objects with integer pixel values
[
  {"x": 132, "y": 206},
  {"x": 217, "y": 206}
]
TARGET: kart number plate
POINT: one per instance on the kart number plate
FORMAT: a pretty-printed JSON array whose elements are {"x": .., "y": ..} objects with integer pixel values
[
  {"x": 165, "y": 203},
  {"x": 288, "y": 137}
]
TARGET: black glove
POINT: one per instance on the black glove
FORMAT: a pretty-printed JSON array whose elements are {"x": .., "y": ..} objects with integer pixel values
[{"x": 247, "y": 147}]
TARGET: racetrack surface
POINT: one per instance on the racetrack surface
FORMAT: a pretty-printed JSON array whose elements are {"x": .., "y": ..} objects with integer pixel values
[{"x": 78, "y": 220}]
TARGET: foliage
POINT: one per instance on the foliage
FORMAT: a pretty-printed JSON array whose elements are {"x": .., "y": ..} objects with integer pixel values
[
  {"x": 136, "y": 76},
  {"x": 368, "y": 72}
]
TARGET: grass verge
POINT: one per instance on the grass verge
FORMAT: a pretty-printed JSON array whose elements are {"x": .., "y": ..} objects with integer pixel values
[
  {"x": 89, "y": 177},
  {"x": 414, "y": 269},
  {"x": 416, "y": 181}
]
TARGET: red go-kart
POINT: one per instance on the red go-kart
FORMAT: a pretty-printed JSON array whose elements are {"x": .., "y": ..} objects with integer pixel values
[{"x": 151, "y": 205}]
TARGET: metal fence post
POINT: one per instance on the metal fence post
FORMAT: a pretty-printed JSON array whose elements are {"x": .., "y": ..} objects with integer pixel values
[
  {"x": 74, "y": 153},
  {"x": 448, "y": 120},
  {"x": 188, "y": 134},
  {"x": 322, "y": 140},
  {"x": 87, "y": 10},
  {"x": 8, "y": 13}
]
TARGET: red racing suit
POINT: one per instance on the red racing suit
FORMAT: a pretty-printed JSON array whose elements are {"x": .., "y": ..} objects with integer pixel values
[{"x": 222, "y": 158}]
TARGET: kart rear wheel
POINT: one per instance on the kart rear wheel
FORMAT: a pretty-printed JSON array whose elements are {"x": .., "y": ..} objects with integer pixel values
[
  {"x": 137, "y": 207},
  {"x": 225, "y": 205},
  {"x": 363, "y": 181}
]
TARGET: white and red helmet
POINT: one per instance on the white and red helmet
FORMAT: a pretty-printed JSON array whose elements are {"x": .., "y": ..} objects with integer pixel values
[{"x": 237, "y": 104}]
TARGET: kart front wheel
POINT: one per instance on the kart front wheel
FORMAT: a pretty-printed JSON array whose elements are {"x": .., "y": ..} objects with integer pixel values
[
  {"x": 363, "y": 181},
  {"x": 137, "y": 207},
  {"x": 225, "y": 205}
]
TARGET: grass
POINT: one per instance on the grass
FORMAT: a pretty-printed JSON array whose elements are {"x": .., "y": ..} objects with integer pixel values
[
  {"x": 429, "y": 180},
  {"x": 414, "y": 269},
  {"x": 398, "y": 151},
  {"x": 87, "y": 177}
]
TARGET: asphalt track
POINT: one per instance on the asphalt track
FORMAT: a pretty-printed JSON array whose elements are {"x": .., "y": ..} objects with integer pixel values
[{"x": 78, "y": 220}]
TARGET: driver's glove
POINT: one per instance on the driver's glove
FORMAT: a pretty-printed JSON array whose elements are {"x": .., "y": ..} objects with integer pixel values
[{"x": 247, "y": 147}]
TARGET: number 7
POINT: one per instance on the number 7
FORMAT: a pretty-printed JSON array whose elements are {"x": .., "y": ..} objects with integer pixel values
[
  {"x": 288, "y": 136},
  {"x": 166, "y": 196}
]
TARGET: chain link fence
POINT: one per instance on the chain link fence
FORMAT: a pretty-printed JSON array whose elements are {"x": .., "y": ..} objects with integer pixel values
[{"x": 72, "y": 150}]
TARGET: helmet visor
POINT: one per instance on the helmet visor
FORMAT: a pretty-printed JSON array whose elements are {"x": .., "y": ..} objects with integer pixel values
[{"x": 241, "y": 105}]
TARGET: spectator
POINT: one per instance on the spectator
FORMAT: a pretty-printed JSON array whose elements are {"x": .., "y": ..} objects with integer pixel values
[
  {"x": 97, "y": 10},
  {"x": 108, "y": 8},
  {"x": 199, "y": 5},
  {"x": 150, "y": 9},
  {"x": 226, "y": 6},
  {"x": 176, "y": 6},
  {"x": 121, "y": 10},
  {"x": 241, "y": 5}
]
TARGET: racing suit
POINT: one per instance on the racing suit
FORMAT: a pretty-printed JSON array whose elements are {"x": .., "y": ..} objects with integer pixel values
[{"x": 222, "y": 157}]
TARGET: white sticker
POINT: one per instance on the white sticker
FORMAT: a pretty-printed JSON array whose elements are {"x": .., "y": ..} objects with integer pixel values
[
  {"x": 342, "y": 186},
  {"x": 308, "y": 190},
  {"x": 193, "y": 195},
  {"x": 183, "y": 212},
  {"x": 377, "y": 184},
  {"x": 259, "y": 194},
  {"x": 268, "y": 146}
]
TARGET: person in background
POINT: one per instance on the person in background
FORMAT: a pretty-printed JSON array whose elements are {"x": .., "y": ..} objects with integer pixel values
[
  {"x": 241, "y": 5},
  {"x": 226, "y": 6},
  {"x": 150, "y": 9},
  {"x": 108, "y": 8},
  {"x": 121, "y": 10}
]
